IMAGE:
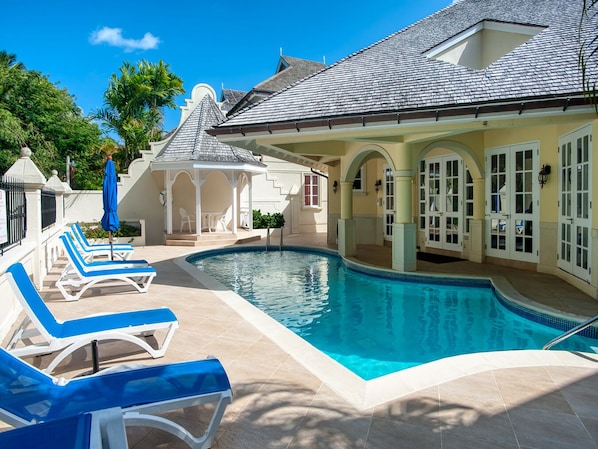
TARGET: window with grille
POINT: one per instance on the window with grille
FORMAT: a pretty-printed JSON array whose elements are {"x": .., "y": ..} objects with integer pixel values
[
  {"x": 311, "y": 190},
  {"x": 359, "y": 181}
]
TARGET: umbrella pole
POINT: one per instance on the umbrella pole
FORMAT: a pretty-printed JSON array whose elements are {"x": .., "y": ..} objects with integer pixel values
[{"x": 110, "y": 240}]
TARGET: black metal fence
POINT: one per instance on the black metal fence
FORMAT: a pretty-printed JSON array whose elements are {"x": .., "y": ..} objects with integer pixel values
[
  {"x": 48, "y": 208},
  {"x": 16, "y": 211}
]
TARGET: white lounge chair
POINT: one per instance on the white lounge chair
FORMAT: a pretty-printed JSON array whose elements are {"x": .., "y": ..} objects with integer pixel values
[
  {"x": 77, "y": 229},
  {"x": 78, "y": 276},
  {"x": 101, "y": 264},
  {"x": 115, "y": 398},
  {"x": 122, "y": 251},
  {"x": 66, "y": 337}
]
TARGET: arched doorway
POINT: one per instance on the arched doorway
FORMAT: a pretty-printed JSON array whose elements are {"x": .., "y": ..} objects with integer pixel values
[
  {"x": 183, "y": 196},
  {"x": 445, "y": 195},
  {"x": 367, "y": 187}
]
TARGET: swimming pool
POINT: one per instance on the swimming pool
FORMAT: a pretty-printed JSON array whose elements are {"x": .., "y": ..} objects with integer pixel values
[{"x": 380, "y": 322}]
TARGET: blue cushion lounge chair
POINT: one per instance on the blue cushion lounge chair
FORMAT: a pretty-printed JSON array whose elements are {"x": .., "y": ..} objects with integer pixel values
[
  {"x": 78, "y": 276},
  {"x": 89, "y": 253},
  {"x": 119, "y": 397},
  {"x": 66, "y": 337},
  {"x": 92, "y": 264},
  {"x": 74, "y": 432},
  {"x": 78, "y": 232}
]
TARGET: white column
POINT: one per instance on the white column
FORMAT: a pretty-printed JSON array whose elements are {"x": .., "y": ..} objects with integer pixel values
[
  {"x": 197, "y": 184},
  {"x": 476, "y": 225},
  {"x": 235, "y": 204},
  {"x": 59, "y": 188},
  {"x": 168, "y": 183},
  {"x": 25, "y": 170},
  {"x": 250, "y": 218}
]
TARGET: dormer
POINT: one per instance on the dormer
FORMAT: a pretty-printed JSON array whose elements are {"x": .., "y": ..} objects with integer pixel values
[
  {"x": 484, "y": 43},
  {"x": 282, "y": 64}
]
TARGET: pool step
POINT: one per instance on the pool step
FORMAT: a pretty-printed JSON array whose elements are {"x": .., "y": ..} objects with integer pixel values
[{"x": 211, "y": 238}]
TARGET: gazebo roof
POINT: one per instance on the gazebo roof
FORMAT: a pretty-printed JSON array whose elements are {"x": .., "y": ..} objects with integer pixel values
[{"x": 190, "y": 143}]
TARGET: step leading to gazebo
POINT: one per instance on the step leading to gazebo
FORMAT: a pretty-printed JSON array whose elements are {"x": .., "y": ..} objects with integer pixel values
[{"x": 212, "y": 238}]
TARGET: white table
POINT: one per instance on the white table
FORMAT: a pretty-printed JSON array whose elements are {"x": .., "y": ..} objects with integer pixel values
[{"x": 210, "y": 219}]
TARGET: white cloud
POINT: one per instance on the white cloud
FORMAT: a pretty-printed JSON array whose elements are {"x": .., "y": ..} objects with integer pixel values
[{"x": 114, "y": 37}]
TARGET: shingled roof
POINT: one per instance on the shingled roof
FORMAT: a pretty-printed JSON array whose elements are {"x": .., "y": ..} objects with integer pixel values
[
  {"x": 190, "y": 142},
  {"x": 230, "y": 98},
  {"x": 396, "y": 76},
  {"x": 288, "y": 71}
]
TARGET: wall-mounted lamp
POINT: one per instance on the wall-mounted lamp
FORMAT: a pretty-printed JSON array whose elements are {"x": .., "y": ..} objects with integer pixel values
[
  {"x": 543, "y": 175},
  {"x": 377, "y": 184},
  {"x": 334, "y": 186}
]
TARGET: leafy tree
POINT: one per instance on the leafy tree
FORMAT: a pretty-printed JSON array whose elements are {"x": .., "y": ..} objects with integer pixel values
[
  {"x": 133, "y": 105},
  {"x": 12, "y": 133},
  {"x": 36, "y": 113}
]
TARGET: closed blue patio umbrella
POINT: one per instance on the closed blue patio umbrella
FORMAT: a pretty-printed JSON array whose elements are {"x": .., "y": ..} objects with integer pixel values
[{"x": 110, "y": 221}]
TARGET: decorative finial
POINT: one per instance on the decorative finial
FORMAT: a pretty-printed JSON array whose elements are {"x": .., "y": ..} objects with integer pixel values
[{"x": 25, "y": 152}]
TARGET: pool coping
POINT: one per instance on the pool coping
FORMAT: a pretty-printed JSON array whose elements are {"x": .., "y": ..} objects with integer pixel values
[{"x": 364, "y": 394}]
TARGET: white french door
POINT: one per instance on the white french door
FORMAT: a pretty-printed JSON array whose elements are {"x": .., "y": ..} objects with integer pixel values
[
  {"x": 444, "y": 202},
  {"x": 512, "y": 205},
  {"x": 575, "y": 203},
  {"x": 389, "y": 202}
]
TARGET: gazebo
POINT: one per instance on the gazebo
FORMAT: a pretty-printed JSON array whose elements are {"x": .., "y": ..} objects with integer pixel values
[{"x": 207, "y": 184}]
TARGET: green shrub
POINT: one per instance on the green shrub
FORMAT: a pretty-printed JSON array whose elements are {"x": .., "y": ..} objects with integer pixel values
[
  {"x": 96, "y": 232},
  {"x": 260, "y": 221}
]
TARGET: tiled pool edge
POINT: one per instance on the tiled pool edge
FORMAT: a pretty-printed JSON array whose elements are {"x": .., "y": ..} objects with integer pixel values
[{"x": 363, "y": 394}]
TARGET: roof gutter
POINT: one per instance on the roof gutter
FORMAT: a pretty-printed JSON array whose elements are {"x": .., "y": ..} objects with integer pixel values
[
  {"x": 316, "y": 172},
  {"x": 475, "y": 111}
]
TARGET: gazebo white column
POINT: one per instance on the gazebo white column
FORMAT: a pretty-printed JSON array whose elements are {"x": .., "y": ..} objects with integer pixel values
[
  {"x": 197, "y": 182},
  {"x": 168, "y": 184},
  {"x": 250, "y": 217},
  {"x": 235, "y": 204}
]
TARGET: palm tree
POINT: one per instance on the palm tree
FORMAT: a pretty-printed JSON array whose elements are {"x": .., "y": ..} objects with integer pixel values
[{"x": 134, "y": 102}]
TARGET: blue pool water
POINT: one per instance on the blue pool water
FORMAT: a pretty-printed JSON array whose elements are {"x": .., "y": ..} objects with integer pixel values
[{"x": 375, "y": 325}]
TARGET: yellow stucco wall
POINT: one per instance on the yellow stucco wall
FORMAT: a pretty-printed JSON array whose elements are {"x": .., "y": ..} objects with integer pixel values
[{"x": 472, "y": 147}]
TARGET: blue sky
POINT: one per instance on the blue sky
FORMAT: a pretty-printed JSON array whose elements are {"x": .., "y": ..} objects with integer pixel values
[{"x": 235, "y": 43}]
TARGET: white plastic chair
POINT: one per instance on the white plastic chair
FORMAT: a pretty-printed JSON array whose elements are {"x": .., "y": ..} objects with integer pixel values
[
  {"x": 186, "y": 219},
  {"x": 244, "y": 217},
  {"x": 221, "y": 222}
]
